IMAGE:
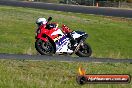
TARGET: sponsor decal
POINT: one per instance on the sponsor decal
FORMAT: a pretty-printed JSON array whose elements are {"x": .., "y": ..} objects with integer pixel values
[{"x": 61, "y": 43}]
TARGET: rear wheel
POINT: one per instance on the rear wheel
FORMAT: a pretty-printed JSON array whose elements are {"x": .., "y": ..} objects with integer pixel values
[
  {"x": 84, "y": 50},
  {"x": 44, "y": 48}
]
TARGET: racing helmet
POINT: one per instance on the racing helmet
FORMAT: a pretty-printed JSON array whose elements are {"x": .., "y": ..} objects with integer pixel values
[{"x": 41, "y": 21}]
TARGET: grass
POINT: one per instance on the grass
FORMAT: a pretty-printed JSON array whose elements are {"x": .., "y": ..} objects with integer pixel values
[
  {"x": 51, "y": 74},
  {"x": 47, "y": 1},
  {"x": 108, "y": 36}
]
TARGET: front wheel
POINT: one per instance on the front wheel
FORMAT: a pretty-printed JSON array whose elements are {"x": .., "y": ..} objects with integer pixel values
[
  {"x": 84, "y": 50},
  {"x": 44, "y": 48}
]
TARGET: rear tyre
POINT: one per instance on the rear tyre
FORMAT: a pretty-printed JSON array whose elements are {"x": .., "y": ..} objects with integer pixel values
[
  {"x": 44, "y": 48},
  {"x": 84, "y": 50}
]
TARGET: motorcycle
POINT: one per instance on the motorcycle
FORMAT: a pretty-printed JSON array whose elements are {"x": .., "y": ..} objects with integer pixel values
[{"x": 54, "y": 41}]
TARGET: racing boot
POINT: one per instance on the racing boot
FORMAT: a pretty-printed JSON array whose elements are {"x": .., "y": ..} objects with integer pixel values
[
  {"x": 72, "y": 41},
  {"x": 73, "y": 44}
]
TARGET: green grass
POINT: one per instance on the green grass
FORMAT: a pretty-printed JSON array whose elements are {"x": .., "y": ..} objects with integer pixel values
[
  {"x": 47, "y": 1},
  {"x": 52, "y": 74},
  {"x": 108, "y": 36}
]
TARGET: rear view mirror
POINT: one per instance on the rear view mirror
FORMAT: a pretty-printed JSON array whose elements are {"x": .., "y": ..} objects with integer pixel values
[{"x": 49, "y": 19}]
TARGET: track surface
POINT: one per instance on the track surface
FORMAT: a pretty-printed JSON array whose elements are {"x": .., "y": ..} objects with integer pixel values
[
  {"x": 71, "y": 8},
  {"x": 60, "y": 58}
]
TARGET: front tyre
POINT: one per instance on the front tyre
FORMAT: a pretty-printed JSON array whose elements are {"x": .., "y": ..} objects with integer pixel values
[
  {"x": 84, "y": 50},
  {"x": 44, "y": 48}
]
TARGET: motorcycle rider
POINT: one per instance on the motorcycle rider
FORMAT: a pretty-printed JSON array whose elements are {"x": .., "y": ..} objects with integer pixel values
[{"x": 67, "y": 31}]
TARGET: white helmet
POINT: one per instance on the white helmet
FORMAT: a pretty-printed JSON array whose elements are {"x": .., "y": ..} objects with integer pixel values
[{"x": 41, "y": 21}]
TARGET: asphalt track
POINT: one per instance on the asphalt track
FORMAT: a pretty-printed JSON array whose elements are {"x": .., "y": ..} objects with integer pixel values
[
  {"x": 61, "y": 58},
  {"x": 71, "y": 8}
]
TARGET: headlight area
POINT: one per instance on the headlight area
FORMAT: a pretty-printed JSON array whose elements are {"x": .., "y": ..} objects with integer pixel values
[{"x": 37, "y": 32}]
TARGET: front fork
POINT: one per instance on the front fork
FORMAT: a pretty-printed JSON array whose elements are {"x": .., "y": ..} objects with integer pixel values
[{"x": 39, "y": 36}]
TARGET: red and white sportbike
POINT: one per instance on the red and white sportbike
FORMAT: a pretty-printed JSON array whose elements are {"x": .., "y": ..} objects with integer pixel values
[{"x": 54, "y": 41}]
